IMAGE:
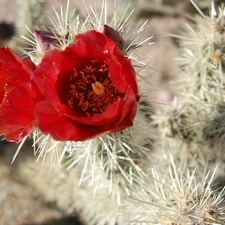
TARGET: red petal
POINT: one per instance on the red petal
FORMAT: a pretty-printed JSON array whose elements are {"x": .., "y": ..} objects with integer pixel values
[
  {"x": 19, "y": 135},
  {"x": 16, "y": 68},
  {"x": 3, "y": 74},
  {"x": 107, "y": 119},
  {"x": 61, "y": 128},
  {"x": 18, "y": 111},
  {"x": 129, "y": 76},
  {"x": 128, "y": 113},
  {"x": 117, "y": 76}
]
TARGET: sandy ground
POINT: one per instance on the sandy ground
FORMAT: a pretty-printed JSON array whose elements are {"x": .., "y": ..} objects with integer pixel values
[{"x": 22, "y": 204}]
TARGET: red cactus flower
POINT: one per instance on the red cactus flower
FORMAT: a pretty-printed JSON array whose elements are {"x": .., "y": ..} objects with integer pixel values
[
  {"x": 90, "y": 89},
  {"x": 17, "y": 94}
]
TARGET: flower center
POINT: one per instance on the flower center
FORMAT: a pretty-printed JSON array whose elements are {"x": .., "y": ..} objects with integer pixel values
[{"x": 90, "y": 88}]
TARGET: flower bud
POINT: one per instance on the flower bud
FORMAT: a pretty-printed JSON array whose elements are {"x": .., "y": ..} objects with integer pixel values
[
  {"x": 45, "y": 41},
  {"x": 113, "y": 35}
]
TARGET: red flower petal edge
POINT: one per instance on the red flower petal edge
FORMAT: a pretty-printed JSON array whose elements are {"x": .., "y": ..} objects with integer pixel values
[
  {"x": 90, "y": 89},
  {"x": 17, "y": 96}
]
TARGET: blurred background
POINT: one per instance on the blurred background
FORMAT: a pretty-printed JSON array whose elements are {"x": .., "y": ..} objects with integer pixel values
[{"x": 22, "y": 202}]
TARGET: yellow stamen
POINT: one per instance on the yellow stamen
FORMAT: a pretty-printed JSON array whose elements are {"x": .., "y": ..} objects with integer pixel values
[{"x": 98, "y": 88}]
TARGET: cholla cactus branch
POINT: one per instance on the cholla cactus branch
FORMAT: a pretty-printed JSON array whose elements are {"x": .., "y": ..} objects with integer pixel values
[
  {"x": 178, "y": 198},
  {"x": 195, "y": 115}
]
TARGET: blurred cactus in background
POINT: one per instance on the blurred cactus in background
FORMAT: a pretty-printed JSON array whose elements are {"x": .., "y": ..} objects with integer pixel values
[
  {"x": 167, "y": 167},
  {"x": 195, "y": 117}
]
